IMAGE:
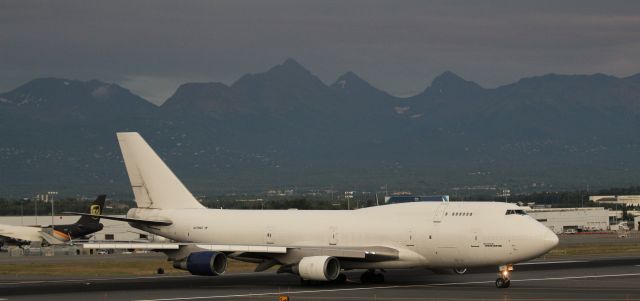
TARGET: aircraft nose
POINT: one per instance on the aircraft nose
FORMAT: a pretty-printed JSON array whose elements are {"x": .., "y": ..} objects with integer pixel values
[{"x": 550, "y": 239}]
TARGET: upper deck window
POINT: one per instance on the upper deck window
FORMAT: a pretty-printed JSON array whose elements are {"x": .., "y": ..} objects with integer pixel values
[{"x": 515, "y": 211}]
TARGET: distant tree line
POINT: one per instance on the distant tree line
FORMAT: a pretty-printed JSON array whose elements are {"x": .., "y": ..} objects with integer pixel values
[
  {"x": 14, "y": 207},
  {"x": 578, "y": 198},
  {"x": 29, "y": 206}
]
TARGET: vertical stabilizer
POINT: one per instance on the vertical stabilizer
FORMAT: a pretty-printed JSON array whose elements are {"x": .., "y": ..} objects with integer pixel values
[
  {"x": 96, "y": 209},
  {"x": 153, "y": 183}
]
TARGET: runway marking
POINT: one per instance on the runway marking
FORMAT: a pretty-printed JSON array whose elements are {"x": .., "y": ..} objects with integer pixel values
[
  {"x": 543, "y": 279},
  {"x": 381, "y": 287},
  {"x": 110, "y": 279},
  {"x": 552, "y": 262},
  {"x": 89, "y": 280}
]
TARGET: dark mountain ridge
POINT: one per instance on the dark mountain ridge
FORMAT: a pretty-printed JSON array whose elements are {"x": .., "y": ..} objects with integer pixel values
[{"x": 285, "y": 127}]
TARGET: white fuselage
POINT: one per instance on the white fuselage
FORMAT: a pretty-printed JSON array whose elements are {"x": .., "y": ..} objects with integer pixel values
[
  {"x": 21, "y": 233},
  {"x": 427, "y": 234}
]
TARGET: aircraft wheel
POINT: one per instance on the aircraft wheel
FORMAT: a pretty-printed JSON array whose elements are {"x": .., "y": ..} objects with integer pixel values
[
  {"x": 367, "y": 277},
  {"x": 503, "y": 283},
  {"x": 341, "y": 279},
  {"x": 371, "y": 277}
]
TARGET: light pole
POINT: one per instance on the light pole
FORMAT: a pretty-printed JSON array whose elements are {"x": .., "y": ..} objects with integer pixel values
[
  {"x": 35, "y": 202},
  {"x": 22, "y": 210},
  {"x": 52, "y": 195}
]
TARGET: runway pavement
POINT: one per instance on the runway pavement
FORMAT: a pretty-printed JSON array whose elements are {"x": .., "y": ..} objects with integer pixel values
[{"x": 575, "y": 279}]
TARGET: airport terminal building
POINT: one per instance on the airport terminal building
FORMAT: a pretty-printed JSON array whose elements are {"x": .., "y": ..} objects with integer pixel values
[{"x": 560, "y": 220}]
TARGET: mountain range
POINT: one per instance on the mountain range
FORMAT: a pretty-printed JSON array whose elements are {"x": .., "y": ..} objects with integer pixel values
[{"x": 286, "y": 128}]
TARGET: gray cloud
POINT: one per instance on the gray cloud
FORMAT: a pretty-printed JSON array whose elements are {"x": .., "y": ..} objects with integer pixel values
[{"x": 153, "y": 46}]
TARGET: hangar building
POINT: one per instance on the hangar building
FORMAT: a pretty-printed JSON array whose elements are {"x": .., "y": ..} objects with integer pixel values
[
  {"x": 582, "y": 219},
  {"x": 629, "y": 200},
  {"x": 113, "y": 230}
]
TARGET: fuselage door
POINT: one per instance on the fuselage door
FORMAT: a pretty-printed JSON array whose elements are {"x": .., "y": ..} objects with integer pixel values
[
  {"x": 269, "y": 235},
  {"x": 333, "y": 236},
  {"x": 410, "y": 240},
  {"x": 437, "y": 217},
  {"x": 475, "y": 240}
]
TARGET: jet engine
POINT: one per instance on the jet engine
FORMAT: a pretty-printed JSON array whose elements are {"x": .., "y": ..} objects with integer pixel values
[
  {"x": 319, "y": 268},
  {"x": 205, "y": 263}
]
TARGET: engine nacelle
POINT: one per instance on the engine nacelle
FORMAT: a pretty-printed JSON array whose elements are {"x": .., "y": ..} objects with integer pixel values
[
  {"x": 319, "y": 268},
  {"x": 205, "y": 263}
]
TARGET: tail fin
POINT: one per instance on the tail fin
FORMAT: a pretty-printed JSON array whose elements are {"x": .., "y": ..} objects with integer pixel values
[
  {"x": 95, "y": 209},
  {"x": 153, "y": 183}
]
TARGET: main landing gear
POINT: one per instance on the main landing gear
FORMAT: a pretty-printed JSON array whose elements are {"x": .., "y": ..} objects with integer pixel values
[
  {"x": 341, "y": 279},
  {"x": 504, "y": 279},
  {"x": 370, "y": 276}
]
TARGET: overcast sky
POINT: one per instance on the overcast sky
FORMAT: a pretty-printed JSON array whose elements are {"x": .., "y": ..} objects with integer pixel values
[{"x": 151, "y": 47}]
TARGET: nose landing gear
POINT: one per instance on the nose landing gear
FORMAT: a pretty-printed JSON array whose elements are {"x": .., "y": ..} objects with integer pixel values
[{"x": 504, "y": 279}]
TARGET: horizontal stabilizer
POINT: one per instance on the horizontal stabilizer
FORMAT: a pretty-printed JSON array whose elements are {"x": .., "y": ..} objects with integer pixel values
[
  {"x": 128, "y": 220},
  {"x": 51, "y": 239}
]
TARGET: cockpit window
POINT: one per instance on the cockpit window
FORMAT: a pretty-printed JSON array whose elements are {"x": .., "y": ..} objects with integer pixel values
[{"x": 515, "y": 211}]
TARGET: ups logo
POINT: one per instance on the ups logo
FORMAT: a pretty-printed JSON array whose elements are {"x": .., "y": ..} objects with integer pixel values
[{"x": 95, "y": 210}]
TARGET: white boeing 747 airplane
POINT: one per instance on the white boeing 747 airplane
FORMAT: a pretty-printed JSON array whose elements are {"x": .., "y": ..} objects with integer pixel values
[{"x": 318, "y": 245}]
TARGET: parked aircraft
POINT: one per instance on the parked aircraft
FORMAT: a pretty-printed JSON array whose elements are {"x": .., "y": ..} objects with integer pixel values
[
  {"x": 318, "y": 245},
  {"x": 56, "y": 234}
]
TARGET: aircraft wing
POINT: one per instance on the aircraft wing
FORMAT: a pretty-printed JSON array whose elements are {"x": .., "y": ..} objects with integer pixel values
[
  {"x": 369, "y": 253},
  {"x": 124, "y": 219},
  {"x": 21, "y": 233}
]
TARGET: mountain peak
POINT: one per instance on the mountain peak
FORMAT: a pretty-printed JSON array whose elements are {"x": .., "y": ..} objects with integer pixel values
[
  {"x": 451, "y": 82},
  {"x": 447, "y": 77},
  {"x": 289, "y": 66},
  {"x": 349, "y": 80},
  {"x": 289, "y": 62},
  {"x": 289, "y": 73},
  {"x": 354, "y": 87},
  {"x": 58, "y": 92}
]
